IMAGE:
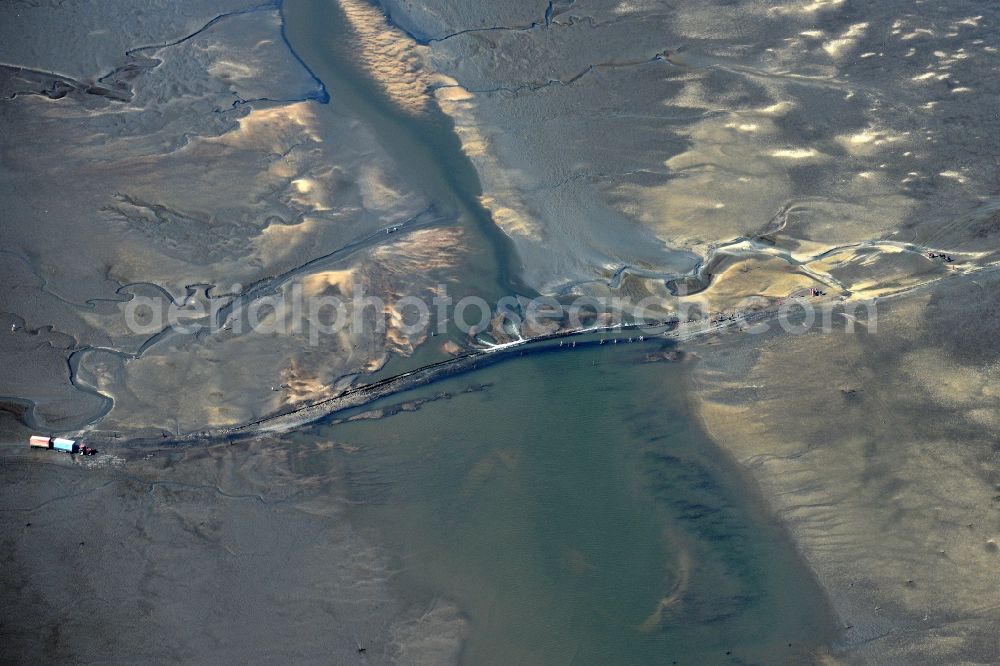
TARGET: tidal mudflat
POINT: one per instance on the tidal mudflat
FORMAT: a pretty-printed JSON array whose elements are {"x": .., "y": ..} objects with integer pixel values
[
  {"x": 786, "y": 494},
  {"x": 561, "y": 507}
]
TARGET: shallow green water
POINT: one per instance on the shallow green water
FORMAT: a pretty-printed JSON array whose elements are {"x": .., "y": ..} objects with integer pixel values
[{"x": 559, "y": 505}]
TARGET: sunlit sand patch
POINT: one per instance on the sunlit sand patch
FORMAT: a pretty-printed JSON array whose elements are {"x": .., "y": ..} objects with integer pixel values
[
  {"x": 310, "y": 194},
  {"x": 306, "y": 172},
  {"x": 839, "y": 47},
  {"x": 512, "y": 222},
  {"x": 777, "y": 109},
  {"x": 972, "y": 21},
  {"x": 693, "y": 95},
  {"x": 797, "y": 57},
  {"x": 733, "y": 158},
  {"x": 432, "y": 249},
  {"x": 320, "y": 284},
  {"x": 954, "y": 175},
  {"x": 947, "y": 59},
  {"x": 971, "y": 389},
  {"x": 395, "y": 61},
  {"x": 806, "y": 7},
  {"x": 985, "y": 416},
  {"x": 873, "y": 271},
  {"x": 451, "y": 91},
  {"x": 743, "y": 276},
  {"x": 375, "y": 362},
  {"x": 740, "y": 281},
  {"x": 423, "y": 252},
  {"x": 500, "y": 185},
  {"x": 796, "y": 153},
  {"x": 919, "y": 32},
  {"x": 377, "y": 192},
  {"x": 396, "y": 340},
  {"x": 275, "y": 128},
  {"x": 243, "y": 180},
  {"x": 801, "y": 249},
  {"x": 868, "y": 141},
  {"x": 899, "y": 26},
  {"x": 303, "y": 384},
  {"x": 146, "y": 395},
  {"x": 687, "y": 212},
  {"x": 724, "y": 186},
  {"x": 859, "y": 209},
  {"x": 278, "y": 240},
  {"x": 230, "y": 70},
  {"x": 474, "y": 143}
]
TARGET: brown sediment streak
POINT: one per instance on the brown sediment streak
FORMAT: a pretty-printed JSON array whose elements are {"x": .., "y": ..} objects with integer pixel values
[{"x": 675, "y": 595}]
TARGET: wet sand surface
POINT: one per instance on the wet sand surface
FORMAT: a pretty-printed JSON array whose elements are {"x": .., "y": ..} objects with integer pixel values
[
  {"x": 720, "y": 156},
  {"x": 878, "y": 448},
  {"x": 221, "y": 554}
]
